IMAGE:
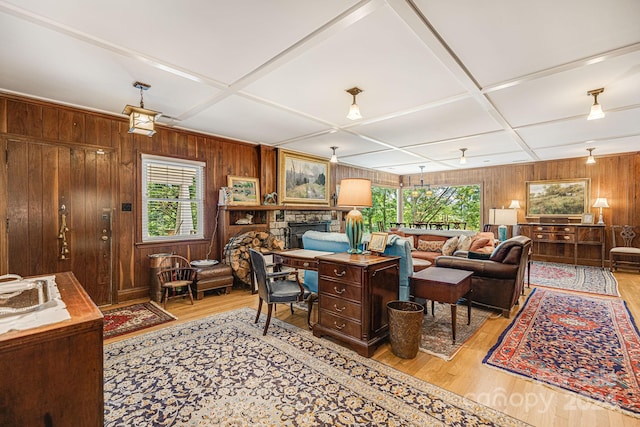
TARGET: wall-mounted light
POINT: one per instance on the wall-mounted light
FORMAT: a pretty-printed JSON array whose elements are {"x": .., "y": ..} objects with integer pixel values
[
  {"x": 334, "y": 158},
  {"x": 463, "y": 159},
  {"x": 591, "y": 160},
  {"x": 596, "y": 110},
  {"x": 141, "y": 120},
  {"x": 354, "y": 110}
]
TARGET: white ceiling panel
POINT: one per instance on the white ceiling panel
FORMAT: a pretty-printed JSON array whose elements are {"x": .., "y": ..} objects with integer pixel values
[
  {"x": 320, "y": 145},
  {"x": 601, "y": 148}
]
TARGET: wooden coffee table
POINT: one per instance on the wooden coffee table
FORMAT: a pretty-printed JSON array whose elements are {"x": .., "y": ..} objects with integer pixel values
[{"x": 445, "y": 285}]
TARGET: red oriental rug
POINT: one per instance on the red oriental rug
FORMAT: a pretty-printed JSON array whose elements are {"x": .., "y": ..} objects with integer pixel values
[
  {"x": 119, "y": 321},
  {"x": 585, "y": 344}
]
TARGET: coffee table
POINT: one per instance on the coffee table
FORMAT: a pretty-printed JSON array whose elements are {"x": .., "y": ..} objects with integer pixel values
[{"x": 446, "y": 285}]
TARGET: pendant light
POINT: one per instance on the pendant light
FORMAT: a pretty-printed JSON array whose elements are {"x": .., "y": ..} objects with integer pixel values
[
  {"x": 463, "y": 159},
  {"x": 141, "y": 120},
  {"x": 354, "y": 110},
  {"x": 596, "y": 109},
  {"x": 334, "y": 158},
  {"x": 591, "y": 160}
]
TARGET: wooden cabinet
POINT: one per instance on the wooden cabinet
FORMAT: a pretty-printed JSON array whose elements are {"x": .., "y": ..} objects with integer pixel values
[
  {"x": 53, "y": 375},
  {"x": 353, "y": 292},
  {"x": 575, "y": 243},
  {"x": 229, "y": 216}
]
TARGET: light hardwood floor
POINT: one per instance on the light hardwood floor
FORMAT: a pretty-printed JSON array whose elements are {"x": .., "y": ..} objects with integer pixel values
[{"x": 465, "y": 375}]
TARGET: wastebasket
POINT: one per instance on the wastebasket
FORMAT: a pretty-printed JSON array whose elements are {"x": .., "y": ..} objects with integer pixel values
[
  {"x": 155, "y": 264},
  {"x": 405, "y": 327}
]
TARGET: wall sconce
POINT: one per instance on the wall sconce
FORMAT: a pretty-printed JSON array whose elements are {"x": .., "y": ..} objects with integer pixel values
[
  {"x": 601, "y": 202},
  {"x": 334, "y": 158},
  {"x": 354, "y": 192},
  {"x": 463, "y": 159},
  {"x": 596, "y": 109},
  {"x": 141, "y": 120},
  {"x": 591, "y": 160},
  {"x": 354, "y": 110}
]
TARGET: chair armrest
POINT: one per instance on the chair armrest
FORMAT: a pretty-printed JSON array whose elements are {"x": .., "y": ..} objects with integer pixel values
[{"x": 479, "y": 267}]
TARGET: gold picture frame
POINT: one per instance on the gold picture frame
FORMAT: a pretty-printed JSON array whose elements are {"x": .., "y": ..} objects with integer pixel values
[
  {"x": 378, "y": 242},
  {"x": 244, "y": 190},
  {"x": 302, "y": 179},
  {"x": 567, "y": 198},
  {"x": 587, "y": 218}
]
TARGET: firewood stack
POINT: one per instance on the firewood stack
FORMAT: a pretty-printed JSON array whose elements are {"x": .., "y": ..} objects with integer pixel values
[{"x": 236, "y": 252}]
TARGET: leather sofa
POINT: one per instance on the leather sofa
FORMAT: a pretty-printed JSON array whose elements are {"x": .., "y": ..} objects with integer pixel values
[
  {"x": 338, "y": 242},
  {"x": 498, "y": 281}
]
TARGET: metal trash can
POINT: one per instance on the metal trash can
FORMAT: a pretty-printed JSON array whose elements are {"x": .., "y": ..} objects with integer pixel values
[
  {"x": 405, "y": 327},
  {"x": 155, "y": 265}
]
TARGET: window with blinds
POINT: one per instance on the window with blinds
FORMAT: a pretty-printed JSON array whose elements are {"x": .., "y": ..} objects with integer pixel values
[{"x": 172, "y": 199}]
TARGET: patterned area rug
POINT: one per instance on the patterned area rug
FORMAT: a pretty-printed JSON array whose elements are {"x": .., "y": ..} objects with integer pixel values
[
  {"x": 436, "y": 330},
  {"x": 585, "y": 344},
  {"x": 118, "y": 321},
  {"x": 571, "y": 277},
  {"x": 221, "y": 371}
]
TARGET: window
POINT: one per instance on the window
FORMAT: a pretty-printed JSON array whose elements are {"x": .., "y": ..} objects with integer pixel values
[
  {"x": 172, "y": 199},
  {"x": 383, "y": 210},
  {"x": 442, "y": 207}
]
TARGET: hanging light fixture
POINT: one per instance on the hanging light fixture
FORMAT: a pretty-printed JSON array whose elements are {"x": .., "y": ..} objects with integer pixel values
[
  {"x": 334, "y": 158},
  {"x": 463, "y": 159},
  {"x": 591, "y": 160},
  {"x": 141, "y": 120},
  {"x": 427, "y": 192},
  {"x": 354, "y": 110},
  {"x": 596, "y": 109}
]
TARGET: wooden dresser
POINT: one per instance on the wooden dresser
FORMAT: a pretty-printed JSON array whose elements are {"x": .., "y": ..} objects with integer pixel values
[
  {"x": 53, "y": 375},
  {"x": 578, "y": 243},
  {"x": 353, "y": 291}
]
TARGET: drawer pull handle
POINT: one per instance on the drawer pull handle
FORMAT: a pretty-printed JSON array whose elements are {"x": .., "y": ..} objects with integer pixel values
[
  {"x": 539, "y": 236},
  {"x": 567, "y": 237},
  {"x": 567, "y": 229},
  {"x": 339, "y": 274},
  {"x": 339, "y": 327},
  {"x": 339, "y": 291},
  {"x": 338, "y": 309},
  {"x": 306, "y": 264},
  {"x": 539, "y": 228}
]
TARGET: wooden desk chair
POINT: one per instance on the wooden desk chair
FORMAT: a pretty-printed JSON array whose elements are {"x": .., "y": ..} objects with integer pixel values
[
  {"x": 626, "y": 255},
  {"x": 176, "y": 272}
]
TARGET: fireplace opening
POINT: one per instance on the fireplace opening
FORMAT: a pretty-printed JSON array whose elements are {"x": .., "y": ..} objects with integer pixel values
[{"x": 295, "y": 231}]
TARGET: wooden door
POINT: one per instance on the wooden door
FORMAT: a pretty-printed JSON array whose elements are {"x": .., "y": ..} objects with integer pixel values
[{"x": 59, "y": 203}]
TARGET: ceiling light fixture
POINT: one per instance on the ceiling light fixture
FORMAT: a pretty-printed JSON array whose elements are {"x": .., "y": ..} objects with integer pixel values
[
  {"x": 354, "y": 110},
  {"x": 591, "y": 160},
  {"x": 427, "y": 192},
  {"x": 463, "y": 159},
  {"x": 334, "y": 158},
  {"x": 141, "y": 120},
  {"x": 596, "y": 109}
]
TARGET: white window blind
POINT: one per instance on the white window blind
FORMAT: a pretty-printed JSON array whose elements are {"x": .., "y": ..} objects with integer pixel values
[{"x": 172, "y": 199}]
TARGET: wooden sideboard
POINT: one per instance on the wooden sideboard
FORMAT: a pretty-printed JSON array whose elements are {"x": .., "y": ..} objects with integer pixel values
[
  {"x": 53, "y": 375},
  {"x": 569, "y": 243},
  {"x": 353, "y": 292}
]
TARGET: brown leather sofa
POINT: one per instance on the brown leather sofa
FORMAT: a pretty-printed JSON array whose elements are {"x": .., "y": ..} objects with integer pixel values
[{"x": 498, "y": 281}]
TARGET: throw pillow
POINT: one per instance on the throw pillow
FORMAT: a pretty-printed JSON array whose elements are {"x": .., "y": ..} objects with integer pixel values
[
  {"x": 410, "y": 240},
  {"x": 450, "y": 246},
  {"x": 430, "y": 245},
  {"x": 464, "y": 243},
  {"x": 478, "y": 244},
  {"x": 478, "y": 255}
]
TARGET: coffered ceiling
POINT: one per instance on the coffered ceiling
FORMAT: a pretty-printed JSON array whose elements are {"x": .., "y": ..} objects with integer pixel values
[{"x": 506, "y": 79}]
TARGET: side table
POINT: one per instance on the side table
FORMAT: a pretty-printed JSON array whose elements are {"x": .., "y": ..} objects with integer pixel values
[{"x": 214, "y": 277}]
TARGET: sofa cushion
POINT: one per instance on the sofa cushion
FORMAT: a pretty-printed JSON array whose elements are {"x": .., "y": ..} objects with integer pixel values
[
  {"x": 430, "y": 245},
  {"x": 478, "y": 244},
  {"x": 410, "y": 240},
  {"x": 450, "y": 246},
  {"x": 464, "y": 243}
]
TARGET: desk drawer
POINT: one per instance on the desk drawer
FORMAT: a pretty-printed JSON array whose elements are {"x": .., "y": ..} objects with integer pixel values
[
  {"x": 554, "y": 237},
  {"x": 340, "y": 324},
  {"x": 300, "y": 263},
  {"x": 341, "y": 272},
  {"x": 559, "y": 229},
  {"x": 340, "y": 289},
  {"x": 340, "y": 307}
]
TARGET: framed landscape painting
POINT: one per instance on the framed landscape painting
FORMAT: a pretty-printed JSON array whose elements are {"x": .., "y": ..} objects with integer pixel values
[
  {"x": 561, "y": 198},
  {"x": 244, "y": 190},
  {"x": 302, "y": 179}
]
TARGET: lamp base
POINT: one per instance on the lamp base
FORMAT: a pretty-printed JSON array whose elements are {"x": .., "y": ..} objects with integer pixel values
[
  {"x": 353, "y": 230},
  {"x": 600, "y": 220},
  {"x": 502, "y": 233}
]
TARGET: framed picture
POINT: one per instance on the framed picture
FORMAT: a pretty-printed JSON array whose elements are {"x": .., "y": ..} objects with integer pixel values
[
  {"x": 302, "y": 179},
  {"x": 587, "y": 218},
  {"x": 378, "y": 242},
  {"x": 558, "y": 198},
  {"x": 244, "y": 190}
]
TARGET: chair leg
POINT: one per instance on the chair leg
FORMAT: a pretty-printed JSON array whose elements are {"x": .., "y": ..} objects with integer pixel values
[
  {"x": 259, "y": 309},
  {"x": 190, "y": 294},
  {"x": 291, "y": 307},
  {"x": 266, "y": 325},
  {"x": 166, "y": 297}
]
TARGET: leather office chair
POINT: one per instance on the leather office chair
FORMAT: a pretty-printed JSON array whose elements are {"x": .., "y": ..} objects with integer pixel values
[
  {"x": 626, "y": 255},
  {"x": 498, "y": 281},
  {"x": 175, "y": 273},
  {"x": 276, "y": 287}
]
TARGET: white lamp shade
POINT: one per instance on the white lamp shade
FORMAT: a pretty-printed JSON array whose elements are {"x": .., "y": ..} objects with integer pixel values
[
  {"x": 601, "y": 202},
  {"x": 355, "y": 192},
  {"x": 354, "y": 112},
  {"x": 596, "y": 112},
  {"x": 503, "y": 216},
  {"x": 514, "y": 204}
]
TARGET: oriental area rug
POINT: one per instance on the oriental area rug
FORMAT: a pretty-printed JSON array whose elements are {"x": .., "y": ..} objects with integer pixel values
[
  {"x": 571, "y": 277},
  {"x": 584, "y": 344},
  {"x": 436, "y": 329},
  {"x": 123, "y": 320},
  {"x": 221, "y": 370}
]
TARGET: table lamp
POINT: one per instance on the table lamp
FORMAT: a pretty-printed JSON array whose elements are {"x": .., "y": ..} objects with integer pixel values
[
  {"x": 601, "y": 202},
  {"x": 354, "y": 192},
  {"x": 503, "y": 217}
]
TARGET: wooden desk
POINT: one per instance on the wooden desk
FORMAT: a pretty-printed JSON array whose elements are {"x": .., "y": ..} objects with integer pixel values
[{"x": 303, "y": 259}]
